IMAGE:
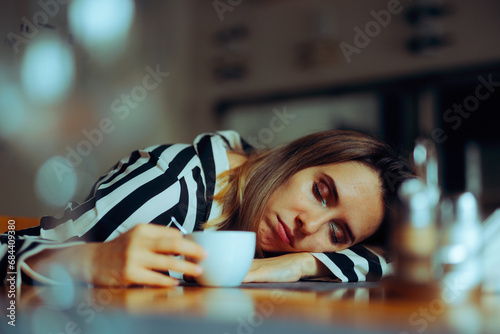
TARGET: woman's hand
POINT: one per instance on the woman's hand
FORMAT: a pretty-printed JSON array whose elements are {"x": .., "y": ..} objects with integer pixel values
[
  {"x": 286, "y": 268},
  {"x": 135, "y": 257}
]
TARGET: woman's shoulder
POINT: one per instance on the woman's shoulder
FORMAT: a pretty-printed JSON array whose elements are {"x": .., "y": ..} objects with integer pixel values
[
  {"x": 208, "y": 151},
  {"x": 229, "y": 139}
]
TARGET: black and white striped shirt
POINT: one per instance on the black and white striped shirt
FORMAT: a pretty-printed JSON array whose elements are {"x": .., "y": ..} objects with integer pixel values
[{"x": 153, "y": 185}]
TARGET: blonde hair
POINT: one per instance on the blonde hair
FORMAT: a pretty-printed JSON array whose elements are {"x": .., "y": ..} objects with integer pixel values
[{"x": 250, "y": 185}]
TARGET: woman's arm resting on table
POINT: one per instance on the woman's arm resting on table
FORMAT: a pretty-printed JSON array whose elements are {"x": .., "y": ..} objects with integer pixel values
[
  {"x": 355, "y": 264},
  {"x": 286, "y": 268},
  {"x": 135, "y": 257}
]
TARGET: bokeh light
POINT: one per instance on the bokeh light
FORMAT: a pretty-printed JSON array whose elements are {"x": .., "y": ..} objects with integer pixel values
[
  {"x": 62, "y": 296},
  {"x": 420, "y": 155},
  {"x": 465, "y": 319},
  {"x": 47, "y": 70},
  {"x": 12, "y": 110},
  {"x": 101, "y": 26},
  {"x": 56, "y": 182}
]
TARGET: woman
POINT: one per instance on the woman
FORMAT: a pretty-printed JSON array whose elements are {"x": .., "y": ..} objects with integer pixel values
[{"x": 311, "y": 202}]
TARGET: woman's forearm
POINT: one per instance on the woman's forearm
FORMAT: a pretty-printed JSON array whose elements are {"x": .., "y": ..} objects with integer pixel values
[
  {"x": 312, "y": 267},
  {"x": 76, "y": 260},
  {"x": 139, "y": 256},
  {"x": 286, "y": 268}
]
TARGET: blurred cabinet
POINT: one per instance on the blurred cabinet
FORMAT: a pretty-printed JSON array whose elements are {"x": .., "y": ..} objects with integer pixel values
[{"x": 343, "y": 43}]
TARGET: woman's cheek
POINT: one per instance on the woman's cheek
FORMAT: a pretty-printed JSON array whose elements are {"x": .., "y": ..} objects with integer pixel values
[
  {"x": 315, "y": 243},
  {"x": 264, "y": 236}
]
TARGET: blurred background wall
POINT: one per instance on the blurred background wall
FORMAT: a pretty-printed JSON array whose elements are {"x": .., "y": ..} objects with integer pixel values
[{"x": 85, "y": 82}]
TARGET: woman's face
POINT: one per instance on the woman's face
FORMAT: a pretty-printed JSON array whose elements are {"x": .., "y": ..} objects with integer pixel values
[{"x": 323, "y": 209}]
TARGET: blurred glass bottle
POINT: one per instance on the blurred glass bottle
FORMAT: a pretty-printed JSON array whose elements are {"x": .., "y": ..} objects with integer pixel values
[
  {"x": 415, "y": 234},
  {"x": 462, "y": 239},
  {"x": 460, "y": 250}
]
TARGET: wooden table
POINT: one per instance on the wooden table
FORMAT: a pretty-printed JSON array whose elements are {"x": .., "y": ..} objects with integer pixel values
[{"x": 303, "y": 307}]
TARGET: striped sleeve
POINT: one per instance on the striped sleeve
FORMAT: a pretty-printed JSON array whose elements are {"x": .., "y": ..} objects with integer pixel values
[
  {"x": 355, "y": 264},
  {"x": 149, "y": 186}
]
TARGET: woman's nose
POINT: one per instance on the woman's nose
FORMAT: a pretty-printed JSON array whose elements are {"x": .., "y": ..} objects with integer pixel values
[{"x": 311, "y": 223}]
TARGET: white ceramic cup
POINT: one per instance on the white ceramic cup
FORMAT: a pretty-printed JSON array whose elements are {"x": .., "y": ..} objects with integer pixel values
[{"x": 230, "y": 254}]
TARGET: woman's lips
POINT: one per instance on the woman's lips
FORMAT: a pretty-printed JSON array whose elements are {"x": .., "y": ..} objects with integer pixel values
[{"x": 284, "y": 233}]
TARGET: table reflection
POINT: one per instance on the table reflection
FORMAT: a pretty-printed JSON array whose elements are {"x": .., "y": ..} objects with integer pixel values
[{"x": 369, "y": 307}]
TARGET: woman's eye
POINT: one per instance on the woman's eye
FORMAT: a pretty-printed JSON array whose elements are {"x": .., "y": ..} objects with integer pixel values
[
  {"x": 320, "y": 191},
  {"x": 334, "y": 230},
  {"x": 316, "y": 192}
]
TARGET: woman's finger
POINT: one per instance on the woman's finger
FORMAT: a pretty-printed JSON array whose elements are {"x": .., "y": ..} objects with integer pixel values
[
  {"x": 164, "y": 262},
  {"x": 146, "y": 276},
  {"x": 180, "y": 246},
  {"x": 189, "y": 279},
  {"x": 166, "y": 240}
]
